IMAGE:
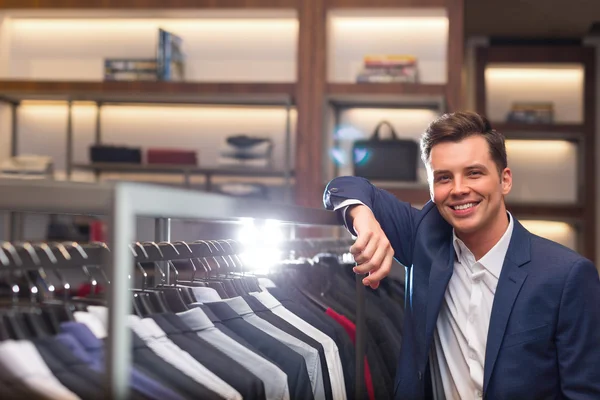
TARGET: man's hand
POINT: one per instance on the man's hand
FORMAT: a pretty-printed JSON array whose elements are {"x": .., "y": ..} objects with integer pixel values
[{"x": 372, "y": 250}]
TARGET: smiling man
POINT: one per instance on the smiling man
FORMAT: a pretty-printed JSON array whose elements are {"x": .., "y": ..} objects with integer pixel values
[{"x": 492, "y": 310}]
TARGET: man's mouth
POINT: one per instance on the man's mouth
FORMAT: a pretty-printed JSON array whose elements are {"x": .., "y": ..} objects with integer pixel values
[{"x": 465, "y": 206}]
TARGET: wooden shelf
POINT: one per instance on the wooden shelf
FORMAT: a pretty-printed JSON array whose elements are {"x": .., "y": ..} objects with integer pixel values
[
  {"x": 573, "y": 132},
  {"x": 149, "y": 92},
  {"x": 145, "y": 4},
  {"x": 386, "y": 94},
  {"x": 180, "y": 169},
  {"x": 386, "y": 3},
  {"x": 547, "y": 211}
]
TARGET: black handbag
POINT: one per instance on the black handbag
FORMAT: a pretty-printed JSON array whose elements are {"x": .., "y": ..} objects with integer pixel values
[{"x": 389, "y": 159}]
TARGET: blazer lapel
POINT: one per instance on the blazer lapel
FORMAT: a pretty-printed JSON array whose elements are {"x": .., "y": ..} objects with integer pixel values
[
  {"x": 439, "y": 276},
  {"x": 509, "y": 284}
]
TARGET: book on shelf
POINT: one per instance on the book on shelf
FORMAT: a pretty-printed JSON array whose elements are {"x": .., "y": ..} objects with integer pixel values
[
  {"x": 389, "y": 68},
  {"x": 531, "y": 113},
  {"x": 170, "y": 57},
  {"x": 168, "y": 64}
]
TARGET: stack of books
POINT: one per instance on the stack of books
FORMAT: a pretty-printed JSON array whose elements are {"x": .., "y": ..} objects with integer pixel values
[
  {"x": 389, "y": 68},
  {"x": 168, "y": 65}
]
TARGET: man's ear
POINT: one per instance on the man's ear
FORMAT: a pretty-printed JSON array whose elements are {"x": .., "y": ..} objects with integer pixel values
[{"x": 506, "y": 181}]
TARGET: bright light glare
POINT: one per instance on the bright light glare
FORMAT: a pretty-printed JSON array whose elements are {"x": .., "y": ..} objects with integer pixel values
[
  {"x": 15, "y": 289},
  {"x": 51, "y": 288},
  {"x": 261, "y": 241},
  {"x": 34, "y": 290}
]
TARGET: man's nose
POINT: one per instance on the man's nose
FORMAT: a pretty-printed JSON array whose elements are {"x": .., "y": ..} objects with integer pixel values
[{"x": 459, "y": 187}]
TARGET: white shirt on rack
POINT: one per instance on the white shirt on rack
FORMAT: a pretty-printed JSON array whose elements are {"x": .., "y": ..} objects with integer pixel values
[
  {"x": 332, "y": 355},
  {"x": 22, "y": 364},
  {"x": 162, "y": 346}
]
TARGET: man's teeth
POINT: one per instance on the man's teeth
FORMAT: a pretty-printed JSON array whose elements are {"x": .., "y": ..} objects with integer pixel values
[{"x": 464, "y": 206}]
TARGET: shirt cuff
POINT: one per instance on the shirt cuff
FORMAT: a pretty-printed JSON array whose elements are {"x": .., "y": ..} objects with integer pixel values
[{"x": 344, "y": 207}]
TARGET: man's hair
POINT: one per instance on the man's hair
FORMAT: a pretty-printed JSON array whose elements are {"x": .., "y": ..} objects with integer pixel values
[{"x": 457, "y": 126}]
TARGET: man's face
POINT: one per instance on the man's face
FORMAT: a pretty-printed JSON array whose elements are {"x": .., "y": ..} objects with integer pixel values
[{"x": 466, "y": 186}]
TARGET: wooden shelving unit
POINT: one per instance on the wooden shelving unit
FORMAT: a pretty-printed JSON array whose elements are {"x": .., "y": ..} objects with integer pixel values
[
  {"x": 308, "y": 93},
  {"x": 580, "y": 214},
  {"x": 144, "y": 4},
  {"x": 185, "y": 171},
  {"x": 148, "y": 92}
]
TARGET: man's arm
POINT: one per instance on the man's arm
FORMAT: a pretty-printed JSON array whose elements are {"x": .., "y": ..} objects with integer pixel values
[
  {"x": 384, "y": 225},
  {"x": 578, "y": 333}
]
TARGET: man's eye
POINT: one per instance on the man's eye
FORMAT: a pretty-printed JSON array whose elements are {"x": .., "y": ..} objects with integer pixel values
[
  {"x": 474, "y": 173},
  {"x": 442, "y": 178}
]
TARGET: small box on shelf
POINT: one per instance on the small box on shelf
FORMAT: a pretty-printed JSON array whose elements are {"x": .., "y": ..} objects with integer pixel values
[{"x": 389, "y": 68}]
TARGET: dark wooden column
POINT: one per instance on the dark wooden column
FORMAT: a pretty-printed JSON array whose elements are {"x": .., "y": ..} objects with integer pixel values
[{"x": 310, "y": 97}]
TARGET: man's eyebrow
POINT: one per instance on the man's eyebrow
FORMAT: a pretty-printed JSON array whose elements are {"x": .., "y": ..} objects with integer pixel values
[
  {"x": 470, "y": 167},
  {"x": 476, "y": 166}
]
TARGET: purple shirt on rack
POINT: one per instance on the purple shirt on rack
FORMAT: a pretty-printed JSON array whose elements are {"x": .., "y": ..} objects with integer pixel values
[{"x": 87, "y": 347}]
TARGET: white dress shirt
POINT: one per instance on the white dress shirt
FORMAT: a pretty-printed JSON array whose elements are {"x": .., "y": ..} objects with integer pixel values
[
  {"x": 332, "y": 355},
  {"x": 310, "y": 354},
  {"x": 460, "y": 337},
  {"x": 22, "y": 364},
  {"x": 156, "y": 339},
  {"x": 273, "y": 378}
]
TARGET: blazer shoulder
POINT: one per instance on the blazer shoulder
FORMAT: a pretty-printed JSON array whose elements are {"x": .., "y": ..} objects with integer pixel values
[{"x": 553, "y": 256}]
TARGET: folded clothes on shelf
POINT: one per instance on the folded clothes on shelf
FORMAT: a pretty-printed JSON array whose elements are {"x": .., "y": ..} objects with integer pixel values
[
  {"x": 244, "y": 150},
  {"x": 115, "y": 154},
  {"x": 171, "y": 156},
  {"x": 27, "y": 167}
]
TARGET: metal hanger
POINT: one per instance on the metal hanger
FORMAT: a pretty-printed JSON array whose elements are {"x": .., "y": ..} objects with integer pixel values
[
  {"x": 6, "y": 262},
  {"x": 33, "y": 289},
  {"x": 67, "y": 256},
  {"x": 156, "y": 264},
  {"x": 93, "y": 282},
  {"x": 139, "y": 266}
]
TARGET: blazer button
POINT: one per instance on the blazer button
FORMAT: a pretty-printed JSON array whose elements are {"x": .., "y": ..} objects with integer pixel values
[
  {"x": 420, "y": 375},
  {"x": 333, "y": 190}
]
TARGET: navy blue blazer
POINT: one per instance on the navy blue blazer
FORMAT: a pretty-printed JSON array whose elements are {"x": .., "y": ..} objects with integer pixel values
[{"x": 544, "y": 333}]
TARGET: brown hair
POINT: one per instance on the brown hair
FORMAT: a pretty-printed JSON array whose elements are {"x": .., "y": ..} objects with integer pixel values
[{"x": 457, "y": 126}]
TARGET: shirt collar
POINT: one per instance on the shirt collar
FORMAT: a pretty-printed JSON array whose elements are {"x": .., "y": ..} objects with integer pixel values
[{"x": 493, "y": 259}]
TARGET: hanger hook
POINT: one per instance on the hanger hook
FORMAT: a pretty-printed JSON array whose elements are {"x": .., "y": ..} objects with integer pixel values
[
  {"x": 157, "y": 248},
  {"x": 234, "y": 251},
  {"x": 33, "y": 289},
  {"x": 6, "y": 262},
  {"x": 191, "y": 257},
  {"x": 156, "y": 265},
  {"x": 139, "y": 245},
  {"x": 13, "y": 252},
  {"x": 172, "y": 245},
  {"x": 210, "y": 249},
  {"x": 67, "y": 256},
  {"x": 53, "y": 260},
  {"x": 139, "y": 266},
  {"x": 85, "y": 269},
  {"x": 3, "y": 257},
  {"x": 170, "y": 264},
  {"x": 80, "y": 249},
  {"x": 222, "y": 251}
]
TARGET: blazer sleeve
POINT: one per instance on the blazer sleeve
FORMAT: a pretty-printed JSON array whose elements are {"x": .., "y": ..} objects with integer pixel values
[
  {"x": 578, "y": 333},
  {"x": 397, "y": 218}
]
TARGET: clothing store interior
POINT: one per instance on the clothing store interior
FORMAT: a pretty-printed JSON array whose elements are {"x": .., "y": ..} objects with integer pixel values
[{"x": 163, "y": 164}]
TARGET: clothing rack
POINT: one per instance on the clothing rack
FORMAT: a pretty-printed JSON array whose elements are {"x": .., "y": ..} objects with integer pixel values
[{"x": 120, "y": 204}]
